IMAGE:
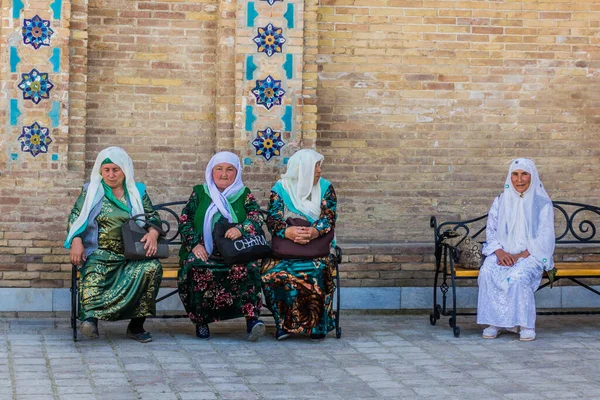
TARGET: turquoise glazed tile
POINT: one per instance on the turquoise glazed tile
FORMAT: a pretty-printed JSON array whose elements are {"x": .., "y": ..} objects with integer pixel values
[
  {"x": 14, "y": 59},
  {"x": 252, "y": 14},
  {"x": 56, "y": 7},
  {"x": 287, "y": 118},
  {"x": 17, "y": 7},
  {"x": 289, "y": 15},
  {"x": 250, "y": 68},
  {"x": 288, "y": 66},
  {"x": 14, "y": 112},
  {"x": 54, "y": 113},
  {"x": 250, "y": 118},
  {"x": 55, "y": 59}
]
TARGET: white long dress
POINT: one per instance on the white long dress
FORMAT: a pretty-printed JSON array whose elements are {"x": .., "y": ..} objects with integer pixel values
[{"x": 506, "y": 294}]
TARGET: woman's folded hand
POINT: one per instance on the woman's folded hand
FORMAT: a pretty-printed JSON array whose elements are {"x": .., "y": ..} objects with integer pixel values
[
  {"x": 233, "y": 233},
  {"x": 77, "y": 253},
  {"x": 150, "y": 241}
]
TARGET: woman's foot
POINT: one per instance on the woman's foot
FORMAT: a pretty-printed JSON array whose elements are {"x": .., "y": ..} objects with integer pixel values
[
  {"x": 255, "y": 329},
  {"x": 282, "y": 334},
  {"x": 492, "y": 332},
  {"x": 136, "y": 331},
  {"x": 527, "y": 335},
  {"x": 317, "y": 337},
  {"x": 202, "y": 332},
  {"x": 142, "y": 337},
  {"x": 89, "y": 328}
]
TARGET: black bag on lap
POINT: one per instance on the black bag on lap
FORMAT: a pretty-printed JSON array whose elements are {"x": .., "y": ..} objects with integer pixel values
[
  {"x": 133, "y": 233},
  {"x": 239, "y": 251}
]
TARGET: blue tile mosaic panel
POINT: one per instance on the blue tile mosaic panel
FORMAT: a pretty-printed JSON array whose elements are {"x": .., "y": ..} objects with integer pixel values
[
  {"x": 268, "y": 143},
  {"x": 35, "y": 86},
  {"x": 35, "y": 139},
  {"x": 268, "y": 92},
  {"x": 269, "y": 40},
  {"x": 36, "y": 32}
]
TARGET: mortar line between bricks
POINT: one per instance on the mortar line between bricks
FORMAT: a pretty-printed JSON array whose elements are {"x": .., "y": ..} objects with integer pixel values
[
  {"x": 86, "y": 367},
  {"x": 49, "y": 368},
  {"x": 208, "y": 383},
  {"x": 160, "y": 367},
  {"x": 129, "y": 380},
  {"x": 11, "y": 368}
]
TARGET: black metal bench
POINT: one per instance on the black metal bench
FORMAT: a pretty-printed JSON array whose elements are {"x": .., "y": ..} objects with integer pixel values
[
  {"x": 170, "y": 219},
  {"x": 575, "y": 225}
]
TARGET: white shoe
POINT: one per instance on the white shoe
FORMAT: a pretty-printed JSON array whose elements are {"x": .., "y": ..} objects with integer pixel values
[
  {"x": 527, "y": 335},
  {"x": 492, "y": 332}
]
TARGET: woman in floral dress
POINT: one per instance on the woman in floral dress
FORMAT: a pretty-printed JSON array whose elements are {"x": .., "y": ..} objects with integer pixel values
[
  {"x": 211, "y": 291},
  {"x": 298, "y": 292}
]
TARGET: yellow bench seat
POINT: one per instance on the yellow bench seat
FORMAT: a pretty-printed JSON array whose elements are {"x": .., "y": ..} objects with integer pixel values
[{"x": 563, "y": 270}]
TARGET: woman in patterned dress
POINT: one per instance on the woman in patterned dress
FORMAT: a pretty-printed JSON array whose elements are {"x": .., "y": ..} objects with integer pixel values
[
  {"x": 211, "y": 291},
  {"x": 299, "y": 293},
  {"x": 111, "y": 287}
]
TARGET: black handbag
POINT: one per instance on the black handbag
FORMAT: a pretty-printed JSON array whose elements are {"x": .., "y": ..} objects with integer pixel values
[
  {"x": 239, "y": 251},
  {"x": 284, "y": 248},
  {"x": 133, "y": 233}
]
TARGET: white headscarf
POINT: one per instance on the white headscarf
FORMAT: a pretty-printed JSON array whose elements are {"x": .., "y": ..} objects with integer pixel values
[
  {"x": 298, "y": 182},
  {"x": 95, "y": 191},
  {"x": 519, "y": 215},
  {"x": 219, "y": 199}
]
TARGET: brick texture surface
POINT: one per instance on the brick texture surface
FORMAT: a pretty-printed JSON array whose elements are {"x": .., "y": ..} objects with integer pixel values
[{"x": 417, "y": 106}]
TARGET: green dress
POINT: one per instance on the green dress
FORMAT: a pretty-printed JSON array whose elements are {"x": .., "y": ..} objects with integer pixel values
[
  {"x": 209, "y": 290},
  {"x": 299, "y": 293},
  {"x": 111, "y": 287}
]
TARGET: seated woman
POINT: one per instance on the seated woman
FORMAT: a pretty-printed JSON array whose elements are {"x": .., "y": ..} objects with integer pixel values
[
  {"x": 111, "y": 287},
  {"x": 298, "y": 292},
  {"x": 211, "y": 291},
  {"x": 519, "y": 247}
]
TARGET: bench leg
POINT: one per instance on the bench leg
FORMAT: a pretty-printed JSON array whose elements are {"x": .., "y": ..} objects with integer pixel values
[
  {"x": 338, "y": 329},
  {"x": 74, "y": 308},
  {"x": 452, "y": 321},
  {"x": 435, "y": 315}
]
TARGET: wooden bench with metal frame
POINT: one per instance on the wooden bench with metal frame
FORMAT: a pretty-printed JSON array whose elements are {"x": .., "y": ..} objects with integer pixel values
[
  {"x": 170, "y": 273},
  {"x": 574, "y": 226}
]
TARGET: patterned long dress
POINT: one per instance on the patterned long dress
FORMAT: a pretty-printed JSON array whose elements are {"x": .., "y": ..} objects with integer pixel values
[
  {"x": 299, "y": 293},
  {"x": 209, "y": 290},
  {"x": 113, "y": 288}
]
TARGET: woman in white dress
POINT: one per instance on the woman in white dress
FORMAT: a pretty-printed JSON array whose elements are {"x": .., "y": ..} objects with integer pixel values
[{"x": 519, "y": 247}]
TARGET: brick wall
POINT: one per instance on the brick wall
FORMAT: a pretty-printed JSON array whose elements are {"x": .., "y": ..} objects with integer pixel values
[{"x": 416, "y": 105}]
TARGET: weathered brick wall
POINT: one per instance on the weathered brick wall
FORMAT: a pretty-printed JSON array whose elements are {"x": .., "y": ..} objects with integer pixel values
[
  {"x": 421, "y": 104},
  {"x": 417, "y": 106}
]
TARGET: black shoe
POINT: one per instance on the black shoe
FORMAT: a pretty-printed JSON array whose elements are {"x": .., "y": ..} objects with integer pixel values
[
  {"x": 282, "y": 334},
  {"x": 142, "y": 337},
  {"x": 89, "y": 328},
  {"x": 202, "y": 332},
  {"x": 317, "y": 337},
  {"x": 255, "y": 329}
]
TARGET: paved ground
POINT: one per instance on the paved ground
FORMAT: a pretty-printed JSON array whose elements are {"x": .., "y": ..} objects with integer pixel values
[{"x": 399, "y": 356}]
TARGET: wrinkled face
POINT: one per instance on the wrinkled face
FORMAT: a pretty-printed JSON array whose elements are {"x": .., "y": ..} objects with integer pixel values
[
  {"x": 223, "y": 175},
  {"x": 317, "y": 173},
  {"x": 521, "y": 180},
  {"x": 112, "y": 175}
]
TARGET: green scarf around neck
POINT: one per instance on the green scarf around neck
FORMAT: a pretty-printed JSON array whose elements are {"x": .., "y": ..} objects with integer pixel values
[{"x": 108, "y": 193}]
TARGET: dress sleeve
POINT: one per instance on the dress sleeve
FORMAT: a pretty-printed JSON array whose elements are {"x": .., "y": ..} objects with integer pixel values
[
  {"x": 326, "y": 221},
  {"x": 275, "y": 221},
  {"x": 491, "y": 244},
  {"x": 542, "y": 248},
  {"x": 254, "y": 220},
  {"x": 189, "y": 236},
  {"x": 148, "y": 209},
  {"x": 76, "y": 210}
]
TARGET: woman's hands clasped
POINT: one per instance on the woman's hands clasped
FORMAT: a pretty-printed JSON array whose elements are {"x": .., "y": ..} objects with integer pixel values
[
  {"x": 508, "y": 260},
  {"x": 150, "y": 241},
  {"x": 301, "y": 234}
]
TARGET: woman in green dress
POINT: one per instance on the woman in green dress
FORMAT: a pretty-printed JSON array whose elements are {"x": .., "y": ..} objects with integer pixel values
[
  {"x": 111, "y": 287},
  {"x": 211, "y": 291},
  {"x": 298, "y": 292}
]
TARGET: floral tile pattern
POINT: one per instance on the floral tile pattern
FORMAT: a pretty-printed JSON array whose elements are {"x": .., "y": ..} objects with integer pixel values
[
  {"x": 35, "y": 139},
  {"x": 268, "y": 92},
  {"x": 35, "y": 86},
  {"x": 37, "y": 32},
  {"x": 271, "y": 2},
  {"x": 268, "y": 143},
  {"x": 269, "y": 40}
]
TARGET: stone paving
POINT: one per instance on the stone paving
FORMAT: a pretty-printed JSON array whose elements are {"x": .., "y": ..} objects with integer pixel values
[{"x": 379, "y": 356}]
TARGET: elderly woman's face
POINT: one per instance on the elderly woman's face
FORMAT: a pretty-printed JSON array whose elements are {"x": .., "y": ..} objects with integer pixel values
[
  {"x": 223, "y": 175},
  {"x": 112, "y": 175},
  {"x": 521, "y": 180},
  {"x": 317, "y": 173}
]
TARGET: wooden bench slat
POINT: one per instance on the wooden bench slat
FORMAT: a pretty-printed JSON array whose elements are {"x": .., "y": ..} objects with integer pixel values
[
  {"x": 564, "y": 270},
  {"x": 169, "y": 273}
]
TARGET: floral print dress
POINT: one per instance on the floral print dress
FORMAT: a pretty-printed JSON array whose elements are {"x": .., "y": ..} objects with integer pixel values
[
  {"x": 209, "y": 290},
  {"x": 299, "y": 293}
]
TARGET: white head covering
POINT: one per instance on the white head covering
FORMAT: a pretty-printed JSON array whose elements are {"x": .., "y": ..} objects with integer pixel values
[
  {"x": 95, "y": 191},
  {"x": 298, "y": 182},
  {"x": 219, "y": 199},
  {"x": 519, "y": 215}
]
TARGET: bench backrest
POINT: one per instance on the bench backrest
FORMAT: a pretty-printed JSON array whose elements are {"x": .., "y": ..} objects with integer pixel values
[{"x": 575, "y": 223}]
